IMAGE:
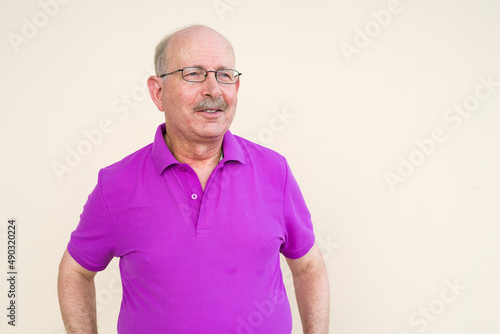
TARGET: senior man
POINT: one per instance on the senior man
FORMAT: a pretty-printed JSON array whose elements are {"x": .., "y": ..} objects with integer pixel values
[{"x": 198, "y": 218}]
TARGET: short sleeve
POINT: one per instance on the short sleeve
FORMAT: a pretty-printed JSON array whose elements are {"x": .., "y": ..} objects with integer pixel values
[
  {"x": 92, "y": 244},
  {"x": 299, "y": 235}
]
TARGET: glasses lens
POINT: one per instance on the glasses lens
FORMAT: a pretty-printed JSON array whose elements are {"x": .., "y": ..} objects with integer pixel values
[
  {"x": 194, "y": 74},
  {"x": 227, "y": 76}
]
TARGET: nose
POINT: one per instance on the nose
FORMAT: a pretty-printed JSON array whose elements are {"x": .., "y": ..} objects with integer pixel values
[{"x": 211, "y": 86}]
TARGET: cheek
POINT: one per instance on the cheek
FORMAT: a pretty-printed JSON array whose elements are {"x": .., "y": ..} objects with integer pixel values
[
  {"x": 178, "y": 100},
  {"x": 231, "y": 98}
]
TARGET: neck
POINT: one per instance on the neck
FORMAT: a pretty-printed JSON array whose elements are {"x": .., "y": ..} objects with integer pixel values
[{"x": 197, "y": 155}]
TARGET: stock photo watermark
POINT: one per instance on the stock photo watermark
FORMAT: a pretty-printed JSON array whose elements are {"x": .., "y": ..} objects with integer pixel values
[
  {"x": 454, "y": 118},
  {"x": 105, "y": 296},
  {"x": 364, "y": 36},
  {"x": 263, "y": 309},
  {"x": 421, "y": 319},
  {"x": 277, "y": 123},
  {"x": 255, "y": 319},
  {"x": 327, "y": 247},
  {"x": 12, "y": 271},
  {"x": 223, "y": 6},
  {"x": 121, "y": 107},
  {"x": 30, "y": 27}
]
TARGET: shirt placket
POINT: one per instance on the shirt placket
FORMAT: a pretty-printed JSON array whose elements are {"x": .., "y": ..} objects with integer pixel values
[
  {"x": 206, "y": 215},
  {"x": 193, "y": 192}
]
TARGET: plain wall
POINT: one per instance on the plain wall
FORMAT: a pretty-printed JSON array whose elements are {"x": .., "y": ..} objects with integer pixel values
[{"x": 387, "y": 111}]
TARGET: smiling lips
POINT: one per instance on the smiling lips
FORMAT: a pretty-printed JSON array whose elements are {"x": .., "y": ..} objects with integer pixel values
[{"x": 210, "y": 111}]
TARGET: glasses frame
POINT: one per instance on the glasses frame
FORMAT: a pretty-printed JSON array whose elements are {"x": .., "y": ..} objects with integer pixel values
[{"x": 206, "y": 75}]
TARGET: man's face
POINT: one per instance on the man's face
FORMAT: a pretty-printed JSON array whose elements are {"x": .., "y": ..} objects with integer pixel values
[{"x": 185, "y": 103}]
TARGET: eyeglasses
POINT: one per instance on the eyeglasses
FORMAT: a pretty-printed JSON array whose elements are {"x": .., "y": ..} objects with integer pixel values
[{"x": 198, "y": 74}]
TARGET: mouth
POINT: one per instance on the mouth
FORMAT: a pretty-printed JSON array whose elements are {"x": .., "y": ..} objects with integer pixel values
[{"x": 210, "y": 111}]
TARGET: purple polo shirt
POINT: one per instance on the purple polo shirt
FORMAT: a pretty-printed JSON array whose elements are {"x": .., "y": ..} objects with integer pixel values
[{"x": 194, "y": 261}]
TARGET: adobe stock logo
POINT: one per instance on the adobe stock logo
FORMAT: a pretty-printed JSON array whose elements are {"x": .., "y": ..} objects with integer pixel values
[
  {"x": 255, "y": 319},
  {"x": 430, "y": 312},
  {"x": 223, "y": 6},
  {"x": 277, "y": 123},
  {"x": 426, "y": 147},
  {"x": 372, "y": 29},
  {"x": 105, "y": 296},
  {"x": 30, "y": 28},
  {"x": 121, "y": 107}
]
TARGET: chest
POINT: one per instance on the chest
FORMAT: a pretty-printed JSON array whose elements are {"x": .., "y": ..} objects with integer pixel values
[{"x": 177, "y": 215}]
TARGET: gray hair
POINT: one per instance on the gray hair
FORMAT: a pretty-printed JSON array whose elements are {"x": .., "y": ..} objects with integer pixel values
[
  {"x": 160, "y": 56},
  {"x": 161, "y": 59}
]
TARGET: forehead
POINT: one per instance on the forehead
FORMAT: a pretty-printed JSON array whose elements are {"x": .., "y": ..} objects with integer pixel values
[{"x": 200, "y": 48}]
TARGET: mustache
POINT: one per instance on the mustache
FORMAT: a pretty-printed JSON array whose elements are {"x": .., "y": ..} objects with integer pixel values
[{"x": 209, "y": 103}]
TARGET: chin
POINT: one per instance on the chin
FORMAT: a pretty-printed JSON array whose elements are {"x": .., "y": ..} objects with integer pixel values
[{"x": 214, "y": 133}]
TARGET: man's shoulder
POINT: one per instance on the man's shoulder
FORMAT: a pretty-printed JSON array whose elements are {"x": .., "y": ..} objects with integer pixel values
[
  {"x": 268, "y": 163},
  {"x": 257, "y": 151},
  {"x": 130, "y": 164}
]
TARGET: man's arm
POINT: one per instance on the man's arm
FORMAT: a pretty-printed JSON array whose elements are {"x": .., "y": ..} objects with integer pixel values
[
  {"x": 312, "y": 291},
  {"x": 76, "y": 291}
]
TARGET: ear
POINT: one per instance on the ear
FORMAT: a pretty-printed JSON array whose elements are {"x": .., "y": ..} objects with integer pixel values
[
  {"x": 155, "y": 86},
  {"x": 238, "y": 85}
]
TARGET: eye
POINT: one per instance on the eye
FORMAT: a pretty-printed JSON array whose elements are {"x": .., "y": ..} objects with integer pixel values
[
  {"x": 194, "y": 74},
  {"x": 226, "y": 76}
]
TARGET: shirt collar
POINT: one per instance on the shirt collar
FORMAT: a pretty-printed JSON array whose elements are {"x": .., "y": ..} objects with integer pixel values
[
  {"x": 163, "y": 158},
  {"x": 232, "y": 149}
]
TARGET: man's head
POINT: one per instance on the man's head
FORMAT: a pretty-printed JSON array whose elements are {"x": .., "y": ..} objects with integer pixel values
[{"x": 195, "y": 112}]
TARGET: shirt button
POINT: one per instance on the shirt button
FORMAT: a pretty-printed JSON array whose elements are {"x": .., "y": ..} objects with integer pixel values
[
  {"x": 194, "y": 196},
  {"x": 183, "y": 169}
]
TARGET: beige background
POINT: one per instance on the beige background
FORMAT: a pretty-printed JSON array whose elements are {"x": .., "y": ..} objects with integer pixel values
[{"x": 392, "y": 251}]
